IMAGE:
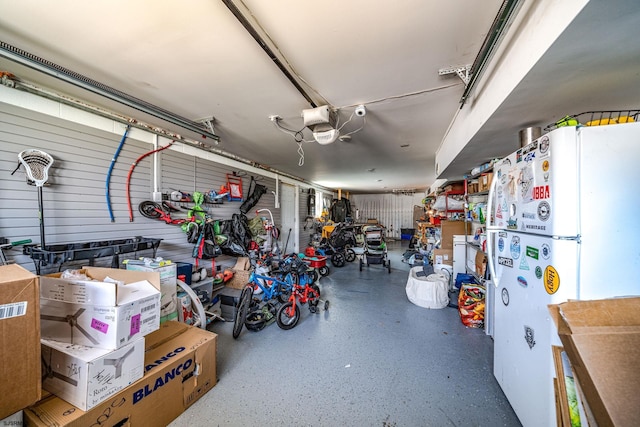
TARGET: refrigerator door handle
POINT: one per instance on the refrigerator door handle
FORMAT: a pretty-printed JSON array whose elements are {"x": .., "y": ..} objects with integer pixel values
[{"x": 491, "y": 230}]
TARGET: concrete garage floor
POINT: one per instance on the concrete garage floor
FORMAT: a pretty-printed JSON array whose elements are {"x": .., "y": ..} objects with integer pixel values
[{"x": 373, "y": 359}]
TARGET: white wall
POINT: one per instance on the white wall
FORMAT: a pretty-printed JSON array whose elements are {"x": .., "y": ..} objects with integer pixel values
[{"x": 394, "y": 211}]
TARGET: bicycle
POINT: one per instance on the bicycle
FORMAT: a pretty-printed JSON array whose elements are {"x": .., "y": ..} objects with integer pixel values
[
  {"x": 289, "y": 313},
  {"x": 274, "y": 287}
]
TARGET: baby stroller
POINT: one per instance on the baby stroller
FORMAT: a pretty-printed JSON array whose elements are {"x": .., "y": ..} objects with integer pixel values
[
  {"x": 338, "y": 245},
  {"x": 375, "y": 247}
]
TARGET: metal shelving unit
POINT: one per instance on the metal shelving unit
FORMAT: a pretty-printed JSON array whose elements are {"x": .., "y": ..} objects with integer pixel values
[{"x": 469, "y": 223}]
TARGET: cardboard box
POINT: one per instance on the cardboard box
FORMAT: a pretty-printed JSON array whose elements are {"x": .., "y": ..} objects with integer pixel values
[
  {"x": 168, "y": 286},
  {"x": 98, "y": 313},
  {"x": 180, "y": 367},
  {"x": 86, "y": 376},
  {"x": 484, "y": 181},
  {"x": 447, "y": 230},
  {"x": 443, "y": 256},
  {"x": 481, "y": 264},
  {"x": 241, "y": 273},
  {"x": 20, "y": 375},
  {"x": 602, "y": 340}
]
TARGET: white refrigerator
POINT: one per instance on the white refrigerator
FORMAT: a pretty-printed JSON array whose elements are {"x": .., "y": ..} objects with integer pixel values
[{"x": 565, "y": 224}]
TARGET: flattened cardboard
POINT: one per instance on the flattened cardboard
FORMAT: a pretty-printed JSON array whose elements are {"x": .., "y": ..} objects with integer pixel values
[
  {"x": 180, "y": 365},
  {"x": 98, "y": 313},
  {"x": 86, "y": 376},
  {"x": 602, "y": 340},
  {"x": 448, "y": 229},
  {"x": 20, "y": 375}
]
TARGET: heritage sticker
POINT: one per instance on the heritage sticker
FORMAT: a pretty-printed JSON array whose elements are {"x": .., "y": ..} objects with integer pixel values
[
  {"x": 532, "y": 252},
  {"x": 529, "y": 336},
  {"x": 551, "y": 280}
]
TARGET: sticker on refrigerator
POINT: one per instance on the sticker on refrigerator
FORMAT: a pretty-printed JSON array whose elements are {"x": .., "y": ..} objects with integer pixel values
[
  {"x": 512, "y": 224},
  {"x": 532, "y": 252},
  {"x": 541, "y": 192},
  {"x": 545, "y": 166},
  {"x": 524, "y": 265},
  {"x": 544, "y": 211},
  {"x": 529, "y": 336},
  {"x": 507, "y": 262},
  {"x": 546, "y": 251},
  {"x": 515, "y": 247},
  {"x": 522, "y": 281},
  {"x": 525, "y": 182},
  {"x": 501, "y": 244},
  {"x": 551, "y": 280},
  {"x": 538, "y": 273},
  {"x": 505, "y": 296},
  {"x": 544, "y": 145}
]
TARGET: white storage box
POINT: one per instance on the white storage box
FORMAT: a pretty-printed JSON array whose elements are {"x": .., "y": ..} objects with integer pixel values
[
  {"x": 168, "y": 287},
  {"x": 98, "y": 313},
  {"x": 86, "y": 376}
]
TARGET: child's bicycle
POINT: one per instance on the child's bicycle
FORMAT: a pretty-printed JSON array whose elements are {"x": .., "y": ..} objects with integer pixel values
[
  {"x": 289, "y": 313},
  {"x": 264, "y": 289}
]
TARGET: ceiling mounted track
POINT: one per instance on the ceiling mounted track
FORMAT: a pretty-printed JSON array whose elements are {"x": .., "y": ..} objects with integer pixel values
[
  {"x": 491, "y": 42},
  {"x": 51, "y": 69},
  {"x": 261, "y": 37}
]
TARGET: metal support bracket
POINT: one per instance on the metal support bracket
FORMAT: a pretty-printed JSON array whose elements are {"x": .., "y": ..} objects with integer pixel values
[{"x": 461, "y": 71}]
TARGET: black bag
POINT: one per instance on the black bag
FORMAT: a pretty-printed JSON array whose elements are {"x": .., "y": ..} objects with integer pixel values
[
  {"x": 255, "y": 192},
  {"x": 206, "y": 247}
]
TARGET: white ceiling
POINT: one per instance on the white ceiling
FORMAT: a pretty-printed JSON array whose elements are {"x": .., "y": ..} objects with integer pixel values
[{"x": 196, "y": 60}]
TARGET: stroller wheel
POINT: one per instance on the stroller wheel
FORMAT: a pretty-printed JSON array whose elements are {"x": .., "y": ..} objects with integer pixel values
[
  {"x": 326, "y": 305},
  {"x": 324, "y": 271},
  {"x": 350, "y": 255},
  {"x": 338, "y": 259}
]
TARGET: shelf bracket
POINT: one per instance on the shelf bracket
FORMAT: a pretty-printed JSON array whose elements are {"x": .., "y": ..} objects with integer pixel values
[{"x": 461, "y": 71}]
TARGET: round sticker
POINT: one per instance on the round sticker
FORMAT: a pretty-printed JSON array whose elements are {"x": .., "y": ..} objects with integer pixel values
[
  {"x": 545, "y": 165},
  {"x": 515, "y": 247},
  {"x": 544, "y": 145},
  {"x": 546, "y": 251},
  {"x": 544, "y": 211},
  {"x": 505, "y": 296},
  {"x": 538, "y": 273},
  {"x": 551, "y": 280}
]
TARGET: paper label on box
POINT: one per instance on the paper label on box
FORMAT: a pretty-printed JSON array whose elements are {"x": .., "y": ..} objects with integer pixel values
[
  {"x": 135, "y": 325},
  {"x": 13, "y": 310},
  {"x": 99, "y": 326}
]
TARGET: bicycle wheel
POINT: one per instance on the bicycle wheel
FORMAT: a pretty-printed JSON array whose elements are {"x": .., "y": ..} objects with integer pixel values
[
  {"x": 288, "y": 315},
  {"x": 284, "y": 290},
  {"x": 242, "y": 310},
  {"x": 350, "y": 255},
  {"x": 150, "y": 209}
]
